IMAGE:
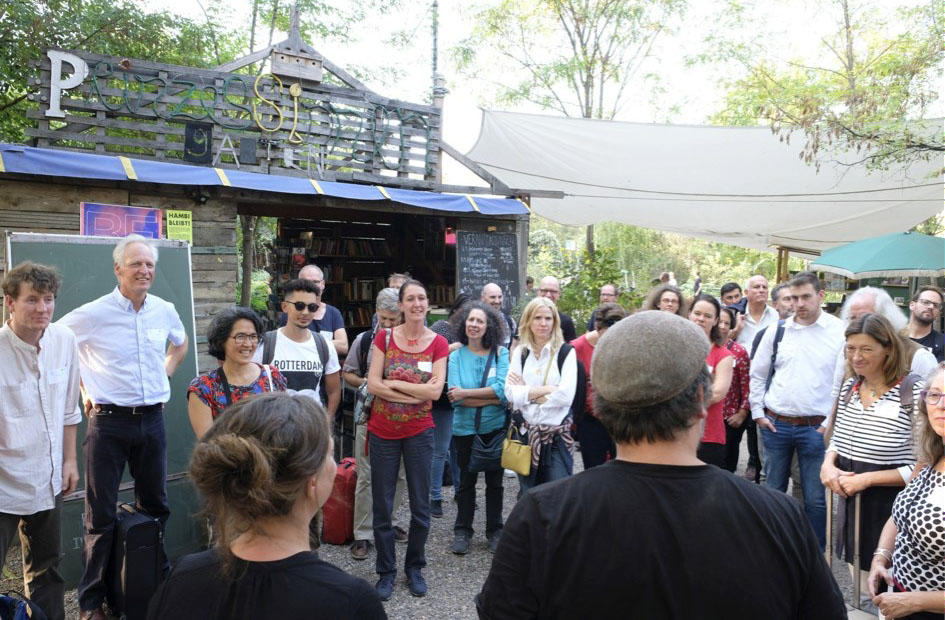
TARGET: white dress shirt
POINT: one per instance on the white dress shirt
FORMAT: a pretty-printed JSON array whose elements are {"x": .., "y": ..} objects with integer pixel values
[
  {"x": 750, "y": 326},
  {"x": 122, "y": 352},
  {"x": 803, "y": 378},
  {"x": 553, "y": 411},
  {"x": 38, "y": 396}
]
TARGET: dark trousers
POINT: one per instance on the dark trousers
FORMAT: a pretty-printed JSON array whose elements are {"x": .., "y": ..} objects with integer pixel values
[
  {"x": 39, "y": 541},
  {"x": 466, "y": 494},
  {"x": 596, "y": 445},
  {"x": 711, "y": 453},
  {"x": 385, "y": 454},
  {"x": 112, "y": 440},
  {"x": 733, "y": 438}
]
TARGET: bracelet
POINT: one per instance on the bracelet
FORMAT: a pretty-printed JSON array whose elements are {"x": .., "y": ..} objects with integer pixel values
[{"x": 883, "y": 552}]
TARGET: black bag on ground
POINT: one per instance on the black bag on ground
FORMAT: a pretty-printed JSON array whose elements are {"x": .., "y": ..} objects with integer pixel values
[{"x": 135, "y": 570}]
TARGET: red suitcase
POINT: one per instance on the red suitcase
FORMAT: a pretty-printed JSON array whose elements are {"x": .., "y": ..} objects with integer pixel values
[{"x": 338, "y": 511}]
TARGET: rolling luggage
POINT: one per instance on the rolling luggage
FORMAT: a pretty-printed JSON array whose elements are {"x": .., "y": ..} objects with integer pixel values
[
  {"x": 135, "y": 570},
  {"x": 338, "y": 511}
]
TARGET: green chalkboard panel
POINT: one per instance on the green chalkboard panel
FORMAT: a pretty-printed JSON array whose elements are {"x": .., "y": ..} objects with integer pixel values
[
  {"x": 87, "y": 271},
  {"x": 484, "y": 257}
]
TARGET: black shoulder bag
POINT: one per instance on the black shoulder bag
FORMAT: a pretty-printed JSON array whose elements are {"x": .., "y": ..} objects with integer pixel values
[{"x": 485, "y": 456}]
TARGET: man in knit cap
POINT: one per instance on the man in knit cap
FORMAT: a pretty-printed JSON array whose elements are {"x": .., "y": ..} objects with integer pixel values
[{"x": 657, "y": 533}]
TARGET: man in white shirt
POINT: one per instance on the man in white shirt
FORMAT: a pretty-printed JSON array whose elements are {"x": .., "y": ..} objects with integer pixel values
[
  {"x": 38, "y": 418},
  {"x": 304, "y": 358},
  {"x": 758, "y": 314},
  {"x": 790, "y": 402},
  {"x": 125, "y": 362}
]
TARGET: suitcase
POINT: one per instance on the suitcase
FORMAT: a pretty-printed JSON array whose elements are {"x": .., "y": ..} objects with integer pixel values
[
  {"x": 135, "y": 569},
  {"x": 338, "y": 511}
]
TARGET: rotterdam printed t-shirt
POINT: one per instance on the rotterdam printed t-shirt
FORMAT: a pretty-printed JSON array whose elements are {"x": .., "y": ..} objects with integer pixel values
[{"x": 300, "y": 364}]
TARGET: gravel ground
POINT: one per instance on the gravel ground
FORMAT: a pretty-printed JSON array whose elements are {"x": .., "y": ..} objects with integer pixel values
[{"x": 452, "y": 580}]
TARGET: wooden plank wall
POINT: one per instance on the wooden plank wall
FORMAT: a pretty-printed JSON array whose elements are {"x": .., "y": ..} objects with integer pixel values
[{"x": 54, "y": 208}]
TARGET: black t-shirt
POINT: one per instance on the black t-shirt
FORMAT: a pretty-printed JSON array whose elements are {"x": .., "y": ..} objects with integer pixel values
[
  {"x": 300, "y": 586},
  {"x": 631, "y": 540},
  {"x": 935, "y": 342}
]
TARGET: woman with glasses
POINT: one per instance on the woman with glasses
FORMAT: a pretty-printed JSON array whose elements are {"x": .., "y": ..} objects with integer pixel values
[
  {"x": 667, "y": 298},
  {"x": 871, "y": 450},
  {"x": 705, "y": 313},
  {"x": 231, "y": 338},
  {"x": 909, "y": 560}
]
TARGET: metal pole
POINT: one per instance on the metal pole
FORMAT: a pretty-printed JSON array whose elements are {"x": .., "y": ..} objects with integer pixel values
[
  {"x": 856, "y": 550},
  {"x": 829, "y": 527}
]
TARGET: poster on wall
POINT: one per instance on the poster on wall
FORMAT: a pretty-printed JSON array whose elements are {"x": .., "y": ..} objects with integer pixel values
[
  {"x": 180, "y": 225},
  {"x": 100, "y": 220}
]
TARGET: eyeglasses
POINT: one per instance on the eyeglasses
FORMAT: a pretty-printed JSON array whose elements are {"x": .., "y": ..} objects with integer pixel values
[
  {"x": 246, "y": 338},
  {"x": 932, "y": 398},
  {"x": 548, "y": 290},
  {"x": 301, "y": 305},
  {"x": 930, "y": 303}
]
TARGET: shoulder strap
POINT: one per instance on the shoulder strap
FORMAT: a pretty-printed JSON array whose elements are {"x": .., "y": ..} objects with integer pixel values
[
  {"x": 221, "y": 377},
  {"x": 778, "y": 334},
  {"x": 482, "y": 383},
  {"x": 525, "y": 352},
  {"x": 366, "y": 341},
  {"x": 322, "y": 345},
  {"x": 269, "y": 346},
  {"x": 905, "y": 391},
  {"x": 272, "y": 386},
  {"x": 563, "y": 355}
]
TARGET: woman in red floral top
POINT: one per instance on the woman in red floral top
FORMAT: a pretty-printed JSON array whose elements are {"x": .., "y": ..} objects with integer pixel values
[
  {"x": 408, "y": 368},
  {"x": 231, "y": 338},
  {"x": 735, "y": 406}
]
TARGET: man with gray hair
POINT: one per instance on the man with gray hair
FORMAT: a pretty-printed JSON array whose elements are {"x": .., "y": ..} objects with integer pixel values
[
  {"x": 355, "y": 371},
  {"x": 873, "y": 300},
  {"x": 758, "y": 314},
  {"x": 125, "y": 362},
  {"x": 657, "y": 533}
]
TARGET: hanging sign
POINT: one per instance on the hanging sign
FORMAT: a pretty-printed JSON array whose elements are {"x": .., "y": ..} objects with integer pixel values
[
  {"x": 180, "y": 225},
  {"x": 118, "y": 220}
]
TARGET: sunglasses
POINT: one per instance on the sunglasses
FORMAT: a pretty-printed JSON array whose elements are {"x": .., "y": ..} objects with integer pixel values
[{"x": 301, "y": 305}]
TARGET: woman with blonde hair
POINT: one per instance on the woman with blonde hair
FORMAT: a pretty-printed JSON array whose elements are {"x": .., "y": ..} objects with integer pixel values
[
  {"x": 910, "y": 554},
  {"x": 265, "y": 468},
  {"x": 541, "y": 383}
]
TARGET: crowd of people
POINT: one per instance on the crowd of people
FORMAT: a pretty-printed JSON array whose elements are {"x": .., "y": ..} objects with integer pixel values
[{"x": 657, "y": 401}]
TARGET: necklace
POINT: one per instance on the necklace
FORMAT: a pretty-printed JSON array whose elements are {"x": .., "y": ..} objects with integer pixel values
[
  {"x": 412, "y": 342},
  {"x": 873, "y": 393}
]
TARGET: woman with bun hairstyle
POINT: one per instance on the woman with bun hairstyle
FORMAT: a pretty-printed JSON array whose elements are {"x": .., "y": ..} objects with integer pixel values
[{"x": 264, "y": 470}]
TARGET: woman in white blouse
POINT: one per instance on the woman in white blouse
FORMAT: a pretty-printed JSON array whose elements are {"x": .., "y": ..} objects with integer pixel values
[
  {"x": 871, "y": 451},
  {"x": 540, "y": 386}
]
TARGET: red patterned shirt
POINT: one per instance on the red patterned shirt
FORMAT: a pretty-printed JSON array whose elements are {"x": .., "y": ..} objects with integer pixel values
[
  {"x": 737, "y": 397},
  {"x": 209, "y": 389},
  {"x": 397, "y": 420}
]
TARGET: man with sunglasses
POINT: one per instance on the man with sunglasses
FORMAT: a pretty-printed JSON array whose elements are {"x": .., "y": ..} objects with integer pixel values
[
  {"x": 924, "y": 309},
  {"x": 306, "y": 359}
]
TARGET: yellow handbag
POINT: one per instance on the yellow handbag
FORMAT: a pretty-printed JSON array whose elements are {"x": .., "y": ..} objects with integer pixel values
[{"x": 516, "y": 455}]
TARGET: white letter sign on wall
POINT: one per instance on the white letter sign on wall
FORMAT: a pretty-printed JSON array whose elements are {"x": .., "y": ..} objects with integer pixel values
[{"x": 80, "y": 70}]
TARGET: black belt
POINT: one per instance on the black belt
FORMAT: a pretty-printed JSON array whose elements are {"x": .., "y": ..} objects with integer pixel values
[{"x": 109, "y": 409}]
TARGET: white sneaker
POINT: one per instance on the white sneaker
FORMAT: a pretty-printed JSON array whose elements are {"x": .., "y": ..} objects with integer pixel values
[{"x": 510, "y": 474}]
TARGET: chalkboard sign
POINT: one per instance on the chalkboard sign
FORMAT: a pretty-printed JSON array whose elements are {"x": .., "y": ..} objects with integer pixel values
[{"x": 483, "y": 257}]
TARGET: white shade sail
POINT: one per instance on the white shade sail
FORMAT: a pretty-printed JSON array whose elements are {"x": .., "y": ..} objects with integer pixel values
[{"x": 737, "y": 185}]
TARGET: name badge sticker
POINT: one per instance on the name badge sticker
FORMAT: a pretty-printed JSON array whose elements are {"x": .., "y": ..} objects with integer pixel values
[
  {"x": 425, "y": 366},
  {"x": 491, "y": 373},
  {"x": 886, "y": 409}
]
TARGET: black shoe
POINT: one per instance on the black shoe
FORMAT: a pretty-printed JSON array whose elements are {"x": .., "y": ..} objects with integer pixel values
[
  {"x": 415, "y": 582},
  {"x": 400, "y": 535},
  {"x": 385, "y": 587},
  {"x": 494, "y": 540},
  {"x": 436, "y": 508},
  {"x": 360, "y": 549},
  {"x": 460, "y": 543}
]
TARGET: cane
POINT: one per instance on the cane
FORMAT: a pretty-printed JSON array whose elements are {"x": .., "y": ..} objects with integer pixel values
[{"x": 856, "y": 542}]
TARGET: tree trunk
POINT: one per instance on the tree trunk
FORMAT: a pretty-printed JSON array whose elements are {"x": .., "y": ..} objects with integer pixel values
[
  {"x": 590, "y": 240},
  {"x": 248, "y": 225}
]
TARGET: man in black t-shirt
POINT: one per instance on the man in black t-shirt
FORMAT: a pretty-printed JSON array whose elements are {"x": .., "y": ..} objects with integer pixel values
[
  {"x": 657, "y": 533},
  {"x": 925, "y": 308}
]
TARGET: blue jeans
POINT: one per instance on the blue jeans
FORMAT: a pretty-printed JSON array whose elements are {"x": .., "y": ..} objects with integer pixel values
[
  {"x": 112, "y": 440},
  {"x": 809, "y": 444},
  {"x": 417, "y": 452},
  {"x": 442, "y": 436},
  {"x": 555, "y": 462}
]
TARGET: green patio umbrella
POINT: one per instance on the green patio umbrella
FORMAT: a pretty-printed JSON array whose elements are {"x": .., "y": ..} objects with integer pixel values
[{"x": 897, "y": 255}]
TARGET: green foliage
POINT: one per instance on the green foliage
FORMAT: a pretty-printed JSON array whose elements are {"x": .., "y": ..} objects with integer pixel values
[
  {"x": 582, "y": 275},
  {"x": 575, "y": 56},
  {"x": 260, "y": 291},
  {"x": 872, "y": 91}
]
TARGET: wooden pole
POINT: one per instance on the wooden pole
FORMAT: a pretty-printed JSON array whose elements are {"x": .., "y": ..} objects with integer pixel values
[{"x": 248, "y": 226}]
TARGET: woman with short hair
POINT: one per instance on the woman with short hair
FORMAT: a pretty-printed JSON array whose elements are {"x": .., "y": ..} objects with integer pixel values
[
  {"x": 541, "y": 393},
  {"x": 232, "y": 338},
  {"x": 264, "y": 469}
]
